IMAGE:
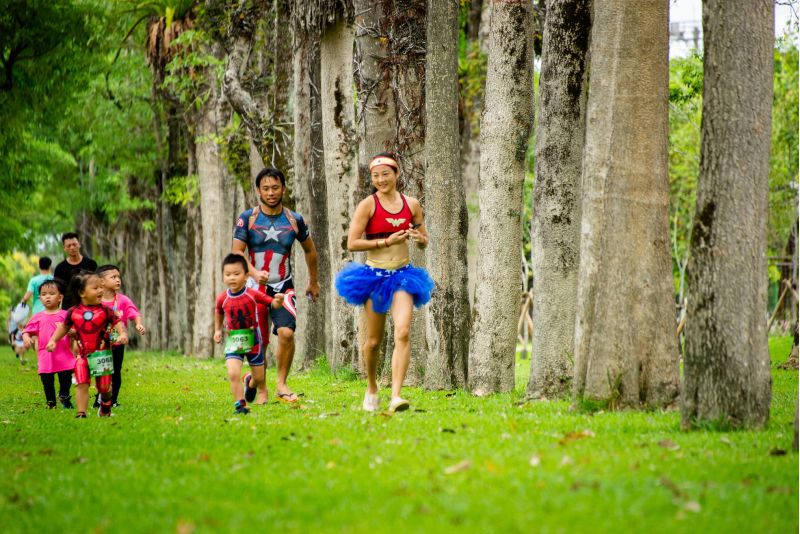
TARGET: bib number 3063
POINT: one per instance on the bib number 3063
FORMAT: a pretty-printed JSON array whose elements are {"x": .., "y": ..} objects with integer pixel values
[
  {"x": 240, "y": 341},
  {"x": 101, "y": 363}
]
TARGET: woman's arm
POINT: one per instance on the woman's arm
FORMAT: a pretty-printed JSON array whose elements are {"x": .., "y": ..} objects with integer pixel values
[{"x": 418, "y": 233}]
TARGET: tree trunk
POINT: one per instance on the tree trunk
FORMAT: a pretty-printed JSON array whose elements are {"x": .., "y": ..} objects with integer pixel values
[
  {"x": 446, "y": 217},
  {"x": 727, "y": 367},
  {"x": 218, "y": 203},
  {"x": 310, "y": 195},
  {"x": 505, "y": 129},
  {"x": 341, "y": 175},
  {"x": 555, "y": 230},
  {"x": 626, "y": 351}
]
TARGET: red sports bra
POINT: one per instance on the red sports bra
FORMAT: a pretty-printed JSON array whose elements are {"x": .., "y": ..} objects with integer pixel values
[{"x": 384, "y": 223}]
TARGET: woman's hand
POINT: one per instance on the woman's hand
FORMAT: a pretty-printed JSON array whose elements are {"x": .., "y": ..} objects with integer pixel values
[
  {"x": 397, "y": 237},
  {"x": 417, "y": 237}
]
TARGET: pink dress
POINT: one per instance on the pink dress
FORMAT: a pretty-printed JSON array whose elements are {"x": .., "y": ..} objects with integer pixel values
[
  {"x": 124, "y": 309},
  {"x": 43, "y": 325}
]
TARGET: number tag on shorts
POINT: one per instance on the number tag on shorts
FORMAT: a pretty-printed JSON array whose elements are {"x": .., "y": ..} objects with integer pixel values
[
  {"x": 101, "y": 363},
  {"x": 240, "y": 341}
]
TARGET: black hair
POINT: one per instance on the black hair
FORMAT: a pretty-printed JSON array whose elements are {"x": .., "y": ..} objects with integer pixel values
[
  {"x": 270, "y": 172},
  {"x": 103, "y": 269},
  {"x": 235, "y": 259},
  {"x": 68, "y": 235},
  {"x": 78, "y": 283},
  {"x": 55, "y": 282},
  {"x": 45, "y": 263}
]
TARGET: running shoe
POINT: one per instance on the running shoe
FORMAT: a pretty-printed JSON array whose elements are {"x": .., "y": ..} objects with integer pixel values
[
  {"x": 249, "y": 392},
  {"x": 240, "y": 407},
  {"x": 399, "y": 405},
  {"x": 66, "y": 402},
  {"x": 80, "y": 415},
  {"x": 51, "y": 404},
  {"x": 104, "y": 410},
  {"x": 371, "y": 402},
  {"x": 96, "y": 403}
]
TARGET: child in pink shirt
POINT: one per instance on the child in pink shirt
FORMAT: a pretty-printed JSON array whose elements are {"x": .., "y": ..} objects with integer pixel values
[
  {"x": 125, "y": 310},
  {"x": 61, "y": 361}
]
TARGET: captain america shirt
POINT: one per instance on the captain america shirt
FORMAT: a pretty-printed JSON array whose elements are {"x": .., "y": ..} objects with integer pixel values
[{"x": 269, "y": 244}]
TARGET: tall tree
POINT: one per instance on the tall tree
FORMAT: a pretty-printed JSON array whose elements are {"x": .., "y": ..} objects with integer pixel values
[
  {"x": 555, "y": 230},
  {"x": 341, "y": 174},
  {"x": 505, "y": 129},
  {"x": 446, "y": 215},
  {"x": 727, "y": 368},
  {"x": 310, "y": 191},
  {"x": 626, "y": 351}
]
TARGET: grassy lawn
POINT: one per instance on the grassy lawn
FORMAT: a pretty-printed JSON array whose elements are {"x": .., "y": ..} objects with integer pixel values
[{"x": 173, "y": 458}]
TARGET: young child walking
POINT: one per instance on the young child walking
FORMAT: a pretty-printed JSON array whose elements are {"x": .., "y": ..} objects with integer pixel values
[
  {"x": 60, "y": 362},
  {"x": 123, "y": 309},
  {"x": 91, "y": 322},
  {"x": 242, "y": 309}
]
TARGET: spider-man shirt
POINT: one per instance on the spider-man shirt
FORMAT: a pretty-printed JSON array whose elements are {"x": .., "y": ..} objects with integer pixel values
[
  {"x": 269, "y": 244},
  {"x": 91, "y": 324},
  {"x": 243, "y": 310}
]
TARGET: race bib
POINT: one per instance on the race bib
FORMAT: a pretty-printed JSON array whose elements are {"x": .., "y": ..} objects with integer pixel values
[
  {"x": 101, "y": 363},
  {"x": 240, "y": 341}
]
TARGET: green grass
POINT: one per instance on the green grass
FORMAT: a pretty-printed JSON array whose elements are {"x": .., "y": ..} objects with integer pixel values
[{"x": 174, "y": 459}]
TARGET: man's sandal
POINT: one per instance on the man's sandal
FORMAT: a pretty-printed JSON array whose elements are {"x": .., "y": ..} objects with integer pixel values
[{"x": 288, "y": 398}]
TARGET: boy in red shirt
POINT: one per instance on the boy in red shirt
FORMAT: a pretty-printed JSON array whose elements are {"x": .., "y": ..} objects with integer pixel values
[{"x": 242, "y": 310}]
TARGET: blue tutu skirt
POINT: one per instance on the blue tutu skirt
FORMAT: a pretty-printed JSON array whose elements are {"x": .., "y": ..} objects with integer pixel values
[{"x": 357, "y": 282}]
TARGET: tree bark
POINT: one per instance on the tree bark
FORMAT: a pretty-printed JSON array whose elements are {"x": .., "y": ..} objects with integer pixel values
[
  {"x": 219, "y": 199},
  {"x": 341, "y": 175},
  {"x": 555, "y": 229},
  {"x": 310, "y": 195},
  {"x": 505, "y": 130},
  {"x": 727, "y": 367},
  {"x": 447, "y": 317},
  {"x": 626, "y": 351}
]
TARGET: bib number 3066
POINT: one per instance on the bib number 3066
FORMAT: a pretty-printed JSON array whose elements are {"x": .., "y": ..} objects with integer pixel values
[{"x": 101, "y": 363}]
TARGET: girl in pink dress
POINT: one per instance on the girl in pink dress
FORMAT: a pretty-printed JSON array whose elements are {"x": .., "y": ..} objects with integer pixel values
[{"x": 61, "y": 361}]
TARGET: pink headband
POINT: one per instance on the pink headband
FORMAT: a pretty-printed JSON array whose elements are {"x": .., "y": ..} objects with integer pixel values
[{"x": 383, "y": 160}]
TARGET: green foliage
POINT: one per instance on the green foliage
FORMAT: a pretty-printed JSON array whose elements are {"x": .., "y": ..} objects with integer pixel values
[
  {"x": 453, "y": 462},
  {"x": 15, "y": 270},
  {"x": 783, "y": 176},
  {"x": 181, "y": 190},
  {"x": 185, "y": 73}
]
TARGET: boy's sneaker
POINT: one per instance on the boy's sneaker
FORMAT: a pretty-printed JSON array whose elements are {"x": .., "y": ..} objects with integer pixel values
[
  {"x": 51, "y": 404},
  {"x": 104, "y": 410},
  {"x": 65, "y": 402},
  {"x": 80, "y": 415},
  {"x": 96, "y": 401},
  {"x": 240, "y": 407},
  {"x": 115, "y": 404},
  {"x": 249, "y": 392}
]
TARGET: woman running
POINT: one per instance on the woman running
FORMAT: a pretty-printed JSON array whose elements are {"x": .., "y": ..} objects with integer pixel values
[{"x": 382, "y": 225}]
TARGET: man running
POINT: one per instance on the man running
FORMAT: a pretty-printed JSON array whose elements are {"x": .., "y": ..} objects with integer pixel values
[
  {"x": 74, "y": 263},
  {"x": 268, "y": 232}
]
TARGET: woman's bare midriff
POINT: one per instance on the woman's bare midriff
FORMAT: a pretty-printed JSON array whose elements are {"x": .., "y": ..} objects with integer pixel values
[{"x": 391, "y": 257}]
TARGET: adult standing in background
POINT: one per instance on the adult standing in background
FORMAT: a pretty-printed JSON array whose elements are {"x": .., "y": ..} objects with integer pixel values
[
  {"x": 74, "y": 263},
  {"x": 36, "y": 282}
]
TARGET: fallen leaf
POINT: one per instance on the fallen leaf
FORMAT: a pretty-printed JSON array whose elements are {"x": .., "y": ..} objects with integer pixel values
[
  {"x": 535, "y": 461},
  {"x": 80, "y": 460},
  {"x": 569, "y": 437},
  {"x": 447, "y": 431},
  {"x": 491, "y": 467},
  {"x": 46, "y": 452},
  {"x": 669, "y": 444},
  {"x": 463, "y": 465},
  {"x": 779, "y": 489},
  {"x": 692, "y": 506},
  {"x": 671, "y": 486},
  {"x": 335, "y": 442},
  {"x": 451, "y": 394},
  {"x": 566, "y": 460},
  {"x": 205, "y": 457},
  {"x": 185, "y": 527},
  {"x": 726, "y": 440},
  {"x": 420, "y": 410},
  {"x": 777, "y": 452}
]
